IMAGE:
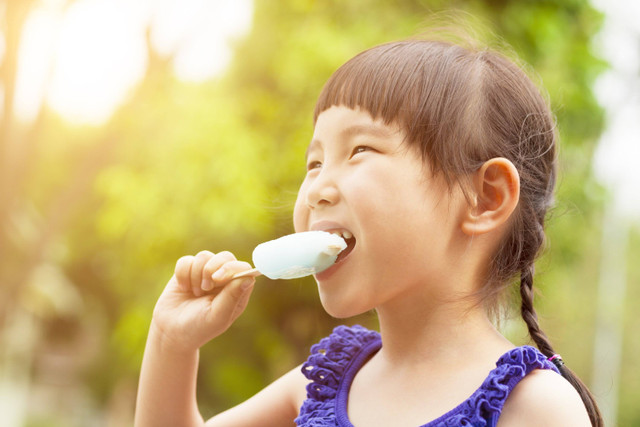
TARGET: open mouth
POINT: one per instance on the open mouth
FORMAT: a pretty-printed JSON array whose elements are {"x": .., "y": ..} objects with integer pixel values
[{"x": 349, "y": 239}]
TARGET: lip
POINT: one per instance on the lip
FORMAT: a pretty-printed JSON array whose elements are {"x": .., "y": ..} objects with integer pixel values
[
  {"x": 327, "y": 226},
  {"x": 329, "y": 272}
]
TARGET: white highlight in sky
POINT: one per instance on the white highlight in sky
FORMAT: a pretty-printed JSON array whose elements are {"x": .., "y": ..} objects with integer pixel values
[
  {"x": 3, "y": 46},
  {"x": 617, "y": 156},
  {"x": 35, "y": 58},
  {"x": 101, "y": 55},
  {"x": 197, "y": 34},
  {"x": 87, "y": 59}
]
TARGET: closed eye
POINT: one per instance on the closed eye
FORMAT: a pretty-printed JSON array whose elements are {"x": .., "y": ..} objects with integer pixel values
[{"x": 360, "y": 149}]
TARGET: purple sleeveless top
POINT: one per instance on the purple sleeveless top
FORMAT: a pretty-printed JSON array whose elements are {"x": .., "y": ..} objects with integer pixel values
[{"x": 335, "y": 360}]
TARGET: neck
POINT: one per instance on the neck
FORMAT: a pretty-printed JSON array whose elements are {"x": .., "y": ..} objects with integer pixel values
[{"x": 415, "y": 331}]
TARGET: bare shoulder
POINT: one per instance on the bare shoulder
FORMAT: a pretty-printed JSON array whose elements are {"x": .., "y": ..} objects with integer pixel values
[
  {"x": 276, "y": 405},
  {"x": 544, "y": 398}
]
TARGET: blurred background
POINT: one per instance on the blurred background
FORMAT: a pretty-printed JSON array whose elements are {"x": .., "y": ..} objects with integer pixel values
[{"x": 135, "y": 132}]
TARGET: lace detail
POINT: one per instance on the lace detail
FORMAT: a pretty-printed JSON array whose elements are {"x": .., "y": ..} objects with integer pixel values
[{"x": 335, "y": 360}]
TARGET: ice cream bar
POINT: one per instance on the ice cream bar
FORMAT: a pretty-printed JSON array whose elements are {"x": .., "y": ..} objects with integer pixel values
[{"x": 297, "y": 255}]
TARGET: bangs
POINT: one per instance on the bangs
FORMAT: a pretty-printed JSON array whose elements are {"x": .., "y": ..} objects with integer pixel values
[
  {"x": 377, "y": 80},
  {"x": 425, "y": 87}
]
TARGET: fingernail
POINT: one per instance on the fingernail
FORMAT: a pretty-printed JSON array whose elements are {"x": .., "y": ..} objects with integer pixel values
[
  {"x": 246, "y": 284},
  {"x": 206, "y": 285},
  {"x": 219, "y": 274}
]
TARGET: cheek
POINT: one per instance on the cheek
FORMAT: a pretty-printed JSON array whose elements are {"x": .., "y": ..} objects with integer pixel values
[
  {"x": 300, "y": 212},
  {"x": 389, "y": 199},
  {"x": 407, "y": 218}
]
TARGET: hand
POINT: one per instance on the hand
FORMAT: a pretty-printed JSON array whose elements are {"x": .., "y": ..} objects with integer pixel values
[{"x": 201, "y": 301}]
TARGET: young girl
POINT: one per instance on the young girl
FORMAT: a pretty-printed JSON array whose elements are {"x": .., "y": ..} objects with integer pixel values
[{"x": 439, "y": 161}]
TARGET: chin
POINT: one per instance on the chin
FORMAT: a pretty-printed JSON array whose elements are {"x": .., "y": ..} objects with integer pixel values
[{"x": 342, "y": 309}]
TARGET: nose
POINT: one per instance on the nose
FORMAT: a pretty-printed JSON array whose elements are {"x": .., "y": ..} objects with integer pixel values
[{"x": 323, "y": 191}]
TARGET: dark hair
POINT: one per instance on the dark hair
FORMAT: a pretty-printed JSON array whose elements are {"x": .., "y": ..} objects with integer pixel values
[{"x": 461, "y": 106}]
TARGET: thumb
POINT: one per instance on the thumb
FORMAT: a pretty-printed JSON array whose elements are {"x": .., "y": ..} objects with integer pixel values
[{"x": 232, "y": 299}]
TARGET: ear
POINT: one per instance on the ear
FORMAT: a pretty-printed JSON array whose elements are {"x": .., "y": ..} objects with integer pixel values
[{"x": 495, "y": 191}]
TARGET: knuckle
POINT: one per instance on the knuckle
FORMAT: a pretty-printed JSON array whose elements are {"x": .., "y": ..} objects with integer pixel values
[
  {"x": 226, "y": 255},
  {"x": 183, "y": 265},
  {"x": 237, "y": 266},
  {"x": 203, "y": 255},
  {"x": 244, "y": 265},
  {"x": 184, "y": 260}
]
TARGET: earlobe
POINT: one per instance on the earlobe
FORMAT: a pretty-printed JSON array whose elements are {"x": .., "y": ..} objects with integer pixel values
[{"x": 496, "y": 191}]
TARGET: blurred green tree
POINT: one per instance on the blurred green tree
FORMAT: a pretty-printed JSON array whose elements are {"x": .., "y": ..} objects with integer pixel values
[{"x": 185, "y": 167}]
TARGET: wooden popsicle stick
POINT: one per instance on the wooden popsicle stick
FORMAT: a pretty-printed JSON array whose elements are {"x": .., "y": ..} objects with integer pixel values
[{"x": 248, "y": 273}]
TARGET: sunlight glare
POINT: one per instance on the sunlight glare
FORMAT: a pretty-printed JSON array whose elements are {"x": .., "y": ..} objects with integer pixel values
[
  {"x": 197, "y": 34},
  {"x": 89, "y": 57},
  {"x": 3, "y": 46},
  {"x": 618, "y": 91},
  {"x": 101, "y": 56},
  {"x": 35, "y": 60}
]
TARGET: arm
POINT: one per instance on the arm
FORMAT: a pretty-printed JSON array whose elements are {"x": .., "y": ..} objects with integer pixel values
[
  {"x": 199, "y": 303},
  {"x": 276, "y": 405},
  {"x": 167, "y": 387},
  {"x": 544, "y": 398}
]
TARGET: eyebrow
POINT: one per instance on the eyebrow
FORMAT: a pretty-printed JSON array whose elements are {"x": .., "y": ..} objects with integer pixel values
[
  {"x": 355, "y": 130},
  {"x": 311, "y": 145},
  {"x": 369, "y": 129}
]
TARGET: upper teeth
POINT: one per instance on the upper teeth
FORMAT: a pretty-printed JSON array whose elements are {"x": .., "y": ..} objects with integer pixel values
[{"x": 343, "y": 233}]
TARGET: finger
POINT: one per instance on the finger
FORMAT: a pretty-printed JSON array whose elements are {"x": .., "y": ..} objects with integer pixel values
[
  {"x": 243, "y": 300},
  {"x": 215, "y": 266},
  {"x": 183, "y": 272},
  {"x": 229, "y": 269},
  {"x": 199, "y": 262},
  {"x": 232, "y": 300}
]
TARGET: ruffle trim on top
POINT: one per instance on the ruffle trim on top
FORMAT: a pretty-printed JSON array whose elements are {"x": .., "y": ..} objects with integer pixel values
[
  {"x": 331, "y": 358},
  {"x": 484, "y": 406},
  {"x": 325, "y": 367}
]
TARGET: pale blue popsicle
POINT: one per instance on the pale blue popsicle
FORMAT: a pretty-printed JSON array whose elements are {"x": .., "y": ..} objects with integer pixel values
[{"x": 298, "y": 255}]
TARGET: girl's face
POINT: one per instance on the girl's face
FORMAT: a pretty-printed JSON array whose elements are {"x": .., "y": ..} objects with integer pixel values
[{"x": 363, "y": 181}]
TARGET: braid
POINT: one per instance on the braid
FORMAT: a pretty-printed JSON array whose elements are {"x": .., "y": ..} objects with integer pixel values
[
  {"x": 529, "y": 313},
  {"x": 484, "y": 106},
  {"x": 544, "y": 345}
]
